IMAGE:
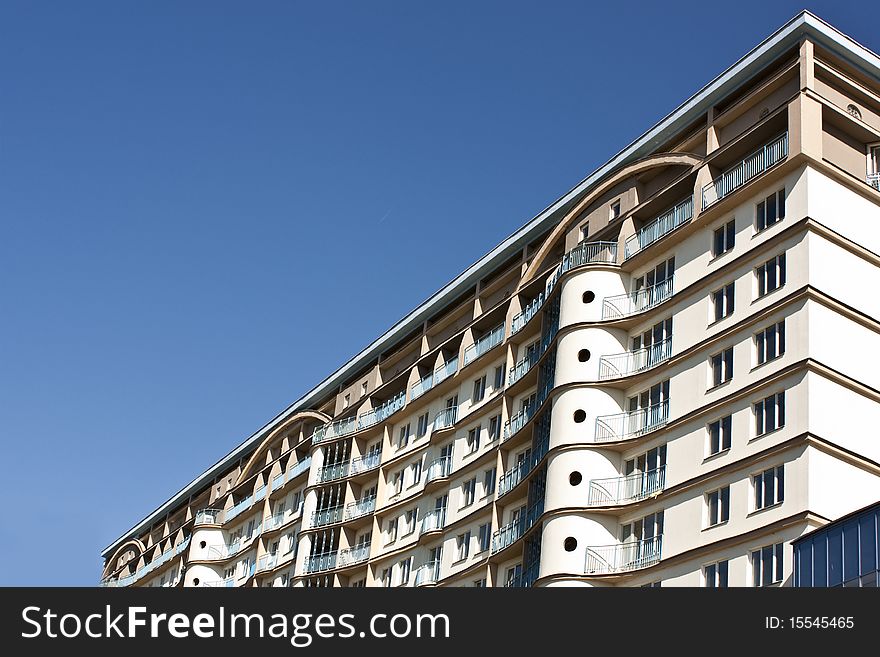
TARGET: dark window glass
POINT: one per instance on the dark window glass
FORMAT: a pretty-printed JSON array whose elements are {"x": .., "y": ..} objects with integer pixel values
[
  {"x": 820, "y": 561},
  {"x": 867, "y": 544},
  {"x": 835, "y": 557},
  {"x": 851, "y": 550}
]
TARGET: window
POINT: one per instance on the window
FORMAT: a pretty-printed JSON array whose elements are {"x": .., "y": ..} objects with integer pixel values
[
  {"x": 767, "y": 565},
  {"x": 391, "y": 530},
  {"x": 718, "y": 506},
  {"x": 585, "y": 231},
  {"x": 480, "y": 583},
  {"x": 484, "y": 537},
  {"x": 715, "y": 575},
  {"x": 770, "y": 210},
  {"x": 494, "y": 428},
  {"x": 498, "y": 383},
  {"x": 769, "y": 487},
  {"x": 771, "y": 275},
  {"x": 422, "y": 427},
  {"x": 359, "y": 584},
  {"x": 463, "y": 545},
  {"x": 479, "y": 389},
  {"x": 615, "y": 211},
  {"x": 403, "y": 436},
  {"x": 386, "y": 577},
  {"x": 473, "y": 439},
  {"x": 346, "y": 401},
  {"x": 770, "y": 343},
  {"x": 719, "y": 435},
  {"x": 722, "y": 302},
  {"x": 489, "y": 482},
  {"x": 363, "y": 388},
  {"x": 416, "y": 470},
  {"x": 468, "y": 491},
  {"x": 723, "y": 239},
  {"x": 770, "y": 414},
  {"x": 409, "y": 521},
  {"x": 405, "y": 568},
  {"x": 396, "y": 483},
  {"x": 722, "y": 367}
]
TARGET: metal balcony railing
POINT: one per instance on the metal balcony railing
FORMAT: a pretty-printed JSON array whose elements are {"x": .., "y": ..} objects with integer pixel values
[
  {"x": 633, "y": 362},
  {"x": 245, "y": 504},
  {"x": 522, "y": 318},
  {"x": 333, "y": 472},
  {"x": 380, "y": 413},
  {"x": 748, "y": 169},
  {"x": 266, "y": 562},
  {"x": 299, "y": 468},
  {"x": 492, "y": 339},
  {"x": 433, "y": 520},
  {"x": 632, "y": 424},
  {"x": 519, "y": 420},
  {"x": 662, "y": 225},
  {"x": 320, "y": 562},
  {"x": 335, "y": 429},
  {"x": 428, "y": 573},
  {"x": 523, "y": 366},
  {"x": 364, "y": 463},
  {"x": 228, "y": 583},
  {"x": 209, "y": 517},
  {"x": 445, "y": 418},
  {"x": 146, "y": 569},
  {"x": 873, "y": 179},
  {"x": 438, "y": 468},
  {"x": 628, "y": 489},
  {"x": 360, "y": 508},
  {"x": 353, "y": 555},
  {"x": 587, "y": 253},
  {"x": 217, "y": 552},
  {"x": 508, "y": 534},
  {"x": 446, "y": 370},
  {"x": 423, "y": 386},
  {"x": 625, "y": 305},
  {"x": 327, "y": 516},
  {"x": 512, "y": 478},
  {"x": 623, "y": 557}
]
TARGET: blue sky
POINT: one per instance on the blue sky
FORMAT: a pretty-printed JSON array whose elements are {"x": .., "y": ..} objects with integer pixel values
[{"x": 207, "y": 207}]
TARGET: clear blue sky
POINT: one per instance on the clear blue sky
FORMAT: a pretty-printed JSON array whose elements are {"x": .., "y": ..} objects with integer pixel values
[{"x": 207, "y": 207}]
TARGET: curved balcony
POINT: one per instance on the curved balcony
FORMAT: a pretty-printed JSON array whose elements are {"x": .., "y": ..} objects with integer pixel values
[
  {"x": 335, "y": 429},
  {"x": 360, "y": 508},
  {"x": 624, "y": 426},
  {"x": 364, "y": 463},
  {"x": 266, "y": 562},
  {"x": 627, "y": 305},
  {"x": 523, "y": 366},
  {"x": 446, "y": 370},
  {"x": 659, "y": 227},
  {"x": 615, "y": 491},
  {"x": 506, "y": 536},
  {"x": 748, "y": 169},
  {"x": 513, "y": 477},
  {"x": 327, "y": 516},
  {"x": 423, "y": 386},
  {"x": 353, "y": 555},
  {"x": 522, "y": 318},
  {"x": 428, "y": 573},
  {"x": 438, "y": 468},
  {"x": 587, "y": 253},
  {"x": 518, "y": 421},
  {"x": 381, "y": 413},
  {"x": 445, "y": 418},
  {"x": 146, "y": 569},
  {"x": 220, "y": 552},
  {"x": 227, "y": 583},
  {"x": 633, "y": 362},
  {"x": 245, "y": 504},
  {"x": 489, "y": 341},
  {"x": 321, "y": 562},
  {"x": 209, "y": 517},
  {"x": 334, "y": 472},
  {"x": 623, "y": 557},
  {"x": 279, "y": 519},
  {"x": 433, "y": 520}
]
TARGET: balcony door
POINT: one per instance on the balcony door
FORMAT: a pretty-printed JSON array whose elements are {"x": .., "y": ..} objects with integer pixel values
[
  {"x": 874, "y": 160},
  {"x": 646, "y": 408}
]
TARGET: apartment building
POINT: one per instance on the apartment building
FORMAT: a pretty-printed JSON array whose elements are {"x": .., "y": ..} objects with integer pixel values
[{"x": 664, "y": 379}]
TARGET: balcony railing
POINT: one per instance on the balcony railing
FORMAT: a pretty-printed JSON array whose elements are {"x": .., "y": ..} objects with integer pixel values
[
  {"x": 522, "y": 318},
  {"x": 380, "y": 413},
  {"x": 445, "y": 418},
  {"x": 508, "y": 534},
  {"x": 633, "y": 362},
  {"x": 322, "y": 561},
  {"x": 873, "y": 179},
  {"x": 335, "y": 430},
  {"x": 433, "y": 520},
  {"x": 522, "y": 366},
  {"x": 632, "y": 424},
  {"x": 217, "y": 552},
  {"x": 227, "y": 583},
  {"x": 428, "y": 573},
  {"x": 299, "y": 468},
  {"x": 492, "y": 339},
  {"x": 748, "y": 169},
  {"x": 628, "y": 489},
  {"x": 423, "y": 386},
  {"x": 353, "y": 555},
  {"x": 245, "y": 504},
  {"x": 333, "y": 472},
  {"x": 662, "y": 225},
  {"x": 625, "y": 305},
  {"x": 519, "y": 420},
  {"x": 364, "y": 463},
  {"x": 438, "y": 468},
  {"x": 327, "y": 516},
  {"x": 587, "y": 253},
  {"x": 446, "y": 370},
  {"x": 209, "y": 517},
  {"x": 511, "y": 479},
  {"x": 266, "y": 562},
  {"x": 360, "y": 508},
  {"x": 146, "y": 569},
  {"x": 623, "y": 557}
]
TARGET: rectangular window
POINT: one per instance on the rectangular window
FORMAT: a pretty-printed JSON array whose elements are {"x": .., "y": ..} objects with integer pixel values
[
  {"x": 416, "y": 470},
  {"x": 405, "y": 567},
  {"x": 363, "y": 388},
  {"x": 485, "y": 536},
  {"x": 422, "y": 428},
  {"x": 396, "y": 483},
  {"x": 722, "y": 367},
  {"x": 718, "y": 506},
  {"x": 715, "y": 575},
  {"x": 585, "y": 231},
  {"x": 473, "y": 439},
  {"x": 480, "y": 583},
  {"x": 722, "y": 302},
  {"x": 489, "y": 482},
  {"x": 391, "y": 530},
  {"x": 468, "y": 492},
  {"x": 767, "y": 565},
  {"x": 498, "y": 383},
  {"x": 769, "y": 487},
  {"x": 463, "y": 545},
  {"x": 719, "y": 435},
  {"x": 494, "y": 428},
  {"x": 771, "y": 275},
  {"x": 403, "y": 437},
  {"x": 346, "y": 401},
  {"x": 615, "y": 211},
  {"x": 770, "y": 210},
  {"x": 386, "y": 577},
  {"x": 409, "y": 521},
  {"x": 723, "y": 239},
  {"x": 770, "y": 343},
  {"x": 770, "y": 414},
  {"x": 479, "y": 389}
]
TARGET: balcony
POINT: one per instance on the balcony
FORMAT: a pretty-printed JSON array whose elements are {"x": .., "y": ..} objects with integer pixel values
[
  {"x": 512, "y": 478},
  {"x": 266, "y": 562},
  {"x": 423, "y": 386},
  {"x": 445, "y": 418},
  {"x": 209, "y": 517},
  {"x": 625, "y": 490},
  {"x": 623, "y": 557},
  {"x": 518, "y": 421},
  {"x": 281, "y": 518},
  {"x": 428, "y": 573},
  {"x": 320, "y": 562},
  {"x": 353, "y": 555},
  {"x": 522, "y": 318},
  {"x": 662, "y": 225},
  {"x": 333, "y": 472},
  {"x": 438, "y": 468},
  {"x": 632, "y": 424},
  {"x": 633, "y": 362},
  {"x": 360, "y": 508},
  {"x": 335, "y": 429},
  {"x": 327, "y": 516},
  {"x": 446, "y": 370},
  {"x": 227, "y": 583},
  {"x": 245, "y": 504},
  {"x": 146, "y": 569},
  {"x": 219, "y": 552},
  {"x": 364, "y": 463},
  {"x": 299, "y": 468},
  {"x": 433, "y": 520},
  {"x": 379, "y": 414},
  {"x": 587, "y": 253},
  {"x": 489, "y": 341},
  {"x": 747, "y": 170},
  {"x": 873, "y": 179},
  {"x": 523, "y": 366},
  {"x": 508, "y": 534},
  {"x": 626, "y": 305}
]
